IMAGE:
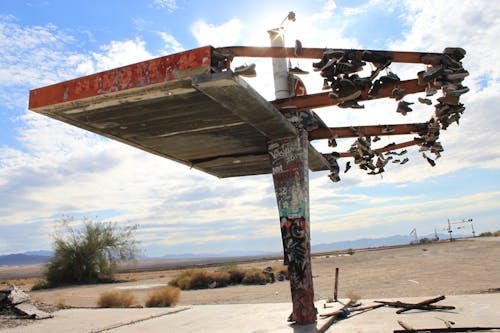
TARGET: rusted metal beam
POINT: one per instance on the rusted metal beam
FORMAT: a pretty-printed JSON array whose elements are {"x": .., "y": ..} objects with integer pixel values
[
  {"x": 314, "y": 53},
  {"x": 372, "y": 130},
  {"x": 389, "y": 147},
  {"x": 139, "y": 75},
  {"x": 319, "y": 100}
]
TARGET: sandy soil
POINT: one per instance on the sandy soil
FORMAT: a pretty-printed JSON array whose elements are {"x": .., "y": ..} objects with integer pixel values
[{"x": 449, "y": 268}]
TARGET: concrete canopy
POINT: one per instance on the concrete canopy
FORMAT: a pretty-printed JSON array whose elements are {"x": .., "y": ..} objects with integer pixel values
[{"x": 182, "y": 107}]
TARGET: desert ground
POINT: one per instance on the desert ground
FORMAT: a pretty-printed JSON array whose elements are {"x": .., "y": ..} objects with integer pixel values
[{"x": 464, "y": 266}]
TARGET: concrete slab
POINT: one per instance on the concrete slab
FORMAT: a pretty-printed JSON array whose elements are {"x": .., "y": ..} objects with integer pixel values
[{"x": 471, "y": 311}]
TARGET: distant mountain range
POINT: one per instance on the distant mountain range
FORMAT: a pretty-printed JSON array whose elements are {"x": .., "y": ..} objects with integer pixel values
[
  {"x": 38, "y": 257},
  {"x": 26, "y": 258}
]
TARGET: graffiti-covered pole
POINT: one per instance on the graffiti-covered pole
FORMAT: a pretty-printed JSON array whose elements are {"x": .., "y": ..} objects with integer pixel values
[{"x": 289, "y": 161}]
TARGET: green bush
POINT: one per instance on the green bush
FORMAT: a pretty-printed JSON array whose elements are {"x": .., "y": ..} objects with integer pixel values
[{"x": 90, "y": 253}]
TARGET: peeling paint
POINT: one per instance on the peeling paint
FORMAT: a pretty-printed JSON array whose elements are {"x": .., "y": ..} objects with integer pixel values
[{"x": 142, "y": 74}]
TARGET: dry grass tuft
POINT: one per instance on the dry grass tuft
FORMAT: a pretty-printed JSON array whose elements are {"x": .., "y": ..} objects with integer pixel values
[
  {"x": 116, "y": 299},
  {"x": 254, "y": 276},
  {"x": 228, "y": 274},
  {"x": 354, "y": 297},
  {"x": 163, "y": 297}
]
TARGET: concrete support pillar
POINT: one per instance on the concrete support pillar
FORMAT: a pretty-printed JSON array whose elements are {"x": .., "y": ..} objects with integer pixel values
[{"x": 289, "y": 159}]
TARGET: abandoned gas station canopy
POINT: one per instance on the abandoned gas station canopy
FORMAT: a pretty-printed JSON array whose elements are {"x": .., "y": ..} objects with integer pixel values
[{"x": 176, "y": 106}]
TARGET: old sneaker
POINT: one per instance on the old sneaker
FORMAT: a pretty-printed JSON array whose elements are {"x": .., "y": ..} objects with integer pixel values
[
  {"x": 456, "y": 53},
  {"x": 246, "y": 70},
  {"x": 425, "y": 101},
  {"x": 432, "y": 73},
  {"x": 404, "y": 107}
]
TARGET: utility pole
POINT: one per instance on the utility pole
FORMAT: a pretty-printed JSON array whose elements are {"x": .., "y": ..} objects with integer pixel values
[{"x": 449, "y": 230}]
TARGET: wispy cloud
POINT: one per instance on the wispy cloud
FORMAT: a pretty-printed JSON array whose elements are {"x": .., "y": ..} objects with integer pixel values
[
  {"x": 170, "y": 5},
  {"x": 224, "y": 34},
  {"x": 172, "y": 45}
]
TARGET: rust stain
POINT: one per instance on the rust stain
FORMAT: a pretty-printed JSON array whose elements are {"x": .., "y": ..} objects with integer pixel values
[{"x": 142, "y": 74}]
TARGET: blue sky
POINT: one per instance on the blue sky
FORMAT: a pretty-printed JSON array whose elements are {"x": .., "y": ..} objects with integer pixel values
[{"x": 49, "y": 169}]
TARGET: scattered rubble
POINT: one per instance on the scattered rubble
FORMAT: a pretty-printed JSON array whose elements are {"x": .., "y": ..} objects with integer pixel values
[{"x": 16, "y": 304}]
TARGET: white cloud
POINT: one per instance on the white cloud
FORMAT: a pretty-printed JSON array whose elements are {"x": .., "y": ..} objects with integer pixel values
[
  {"x": 172, "y": 45},
  {"x": 169, "y": 5},
  {"x": 115, "y": 54},
  {"x": 225, "y": 34},
  {"x": 34, "y": 55}
]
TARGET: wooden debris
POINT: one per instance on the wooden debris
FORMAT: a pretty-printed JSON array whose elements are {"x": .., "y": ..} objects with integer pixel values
[
  {"x": 407, "y": 327},
  {"x": 453, "y": 329},
  {"x": 424, "y": 305}
]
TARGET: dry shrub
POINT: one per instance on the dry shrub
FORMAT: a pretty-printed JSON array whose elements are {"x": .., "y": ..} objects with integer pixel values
[
  {"x": 236, "y": 275},
  {"x": 254, "y": 276},
  {"x": 281, "y": 272},
  {"x": 40, "y": 284},
  {"x": 353, "y": 296},
  {"x": 163, "y": 297},
  {"x": 116, "y": 299},
  {"x": 61, "y": 304},
  {"x": 200, "y": 279}
]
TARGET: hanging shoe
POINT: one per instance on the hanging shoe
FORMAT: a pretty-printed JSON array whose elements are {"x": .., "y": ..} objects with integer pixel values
[
  {"x": 405, "y": 160},
  {"x": 432, "y": 73},
  {"x": 376, "y": 138},
  {"x": 457, "y": 75},
  {"x": 351, "y": 104},
  {"x": 387, "y": 129},
  {"x": 332, "y": 142},
  {"x": 296, "y": 70},
  {"x": 425, "y": 101},
  {"x": 377, "y": 57},
  {"x": 334, "y": 177},
  {"x": 404, "y": 107},
  {"x": 402, "y": 152},
  {"x": 429, "y": 160},
  {"x": 347, "y": 90},
  {"x": 458, "y": 91},
  {"x": 347, "y": 166},
  {"x": 298, "y": 48},
  {"x": 398, "y": 93},
  {"x": 246, "y": 70},
  {"x": 449, "y": 100},
  {"x": 456, "y": 53},
  {"x": 430, "y": 91},
  {"x": 326, "y": 85}
]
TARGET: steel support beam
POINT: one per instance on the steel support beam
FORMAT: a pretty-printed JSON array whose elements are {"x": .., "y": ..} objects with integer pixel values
[
  {"x": 384, "y": 149},
  {"x": 289, "y": 161},
  {"x": 314, "y": 101},
  {"x": 372, "y": 130},
  {"x": 314, "y": 53}
]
